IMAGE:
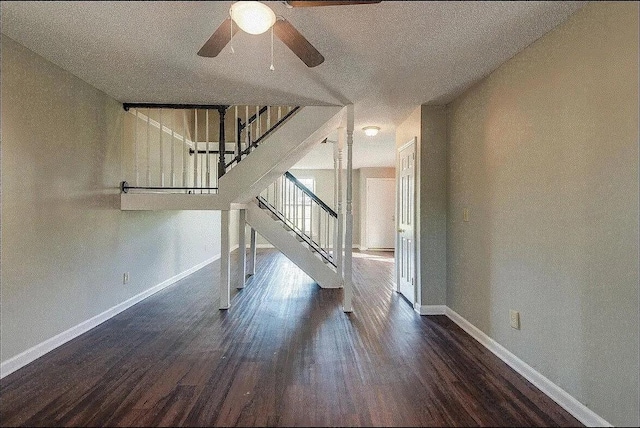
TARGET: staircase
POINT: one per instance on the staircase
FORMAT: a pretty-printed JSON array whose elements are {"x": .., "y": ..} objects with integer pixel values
[
  {"x": 181, "y": 168},
  {"x": 183, "y": 160},
  {"x": 300, "y": 225}
]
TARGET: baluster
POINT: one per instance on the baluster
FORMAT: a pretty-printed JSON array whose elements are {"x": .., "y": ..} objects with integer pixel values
[
  {"x": 319, "y": 223},
  {"x": 185, "y": 149},
  {"x": 247, "y": 127},
  {"x": 326, "y": 239},
  {"x": 195, "y": 150},
  {"x": 208, "y": 160},
  {"x": 311, "y": 207},
  {"x": 135, "y": 148},
  {"x": 268, "y": 117},
  {"x": 148, "y": 152},
  {"x": 297, "y": 205},
  {"x": 279, "y": 113},
  {"x": 304, "y": 218},
  {"x": 173, "y": 145},
  {"x": 161, "y": 154},
  {"x": 257, "y": 134}
]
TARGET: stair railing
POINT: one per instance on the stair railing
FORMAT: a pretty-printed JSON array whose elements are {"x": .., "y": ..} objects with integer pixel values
[
  {"x": 258, "y": 127},
  {"x": 302, "y": 212},
  {"x": 185, "y": 148}
]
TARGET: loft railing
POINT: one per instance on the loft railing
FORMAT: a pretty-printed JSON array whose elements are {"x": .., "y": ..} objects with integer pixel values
[
  {"x": 301, "y": 211},
  {"x": 185, "y": 148}
]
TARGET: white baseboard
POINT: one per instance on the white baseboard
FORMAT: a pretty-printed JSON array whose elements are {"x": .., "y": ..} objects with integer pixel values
[
  {"x": 430, "y": 309},
  {"x": 14, "y": 363},
  {"x": 581, "y": 412}
]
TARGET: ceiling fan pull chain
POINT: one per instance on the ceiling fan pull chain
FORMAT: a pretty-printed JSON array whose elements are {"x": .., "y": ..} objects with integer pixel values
[{"x": 272, "y": 68}]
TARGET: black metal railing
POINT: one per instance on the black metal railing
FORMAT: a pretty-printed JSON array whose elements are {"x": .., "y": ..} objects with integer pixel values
[
  {"x": 303, "y": 212},
  {"x": 183, "y": 147},
  {"x": 255, "y": 138}
]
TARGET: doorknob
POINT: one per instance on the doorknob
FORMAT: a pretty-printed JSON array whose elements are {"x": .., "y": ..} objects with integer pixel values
[{"x": 400, "y": 230}]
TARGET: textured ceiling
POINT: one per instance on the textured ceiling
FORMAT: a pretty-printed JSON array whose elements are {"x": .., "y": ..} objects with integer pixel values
[{"x": 386, "y": 58}]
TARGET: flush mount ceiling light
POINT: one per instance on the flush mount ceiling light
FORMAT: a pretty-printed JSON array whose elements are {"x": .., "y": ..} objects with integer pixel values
[
  {"x": 252, "y": 17},
  {"x": 371, "y": 131}
]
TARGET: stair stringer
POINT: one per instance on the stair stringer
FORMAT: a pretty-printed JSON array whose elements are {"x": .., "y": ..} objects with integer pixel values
[
  {"x": 295, "y": 251},
  {"x": 278, "y": 153}
]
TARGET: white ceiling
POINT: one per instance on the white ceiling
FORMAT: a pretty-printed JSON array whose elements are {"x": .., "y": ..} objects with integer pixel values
[{"x": 385, "y": 58}]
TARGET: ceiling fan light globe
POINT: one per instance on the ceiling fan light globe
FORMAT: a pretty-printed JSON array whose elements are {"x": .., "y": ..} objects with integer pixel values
[{"x": 252, "y": 17}]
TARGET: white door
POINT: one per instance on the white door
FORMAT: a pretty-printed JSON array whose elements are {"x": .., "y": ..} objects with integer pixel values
[
  {"x": 380, "y": 220},
  {"x": 406, "y": 243}
]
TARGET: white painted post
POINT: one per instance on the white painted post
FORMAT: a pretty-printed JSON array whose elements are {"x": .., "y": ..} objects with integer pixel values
[
  {"x": 225, "y": 259},
  {"x": 195, "y": 148},
  {"x": 161, "y": 170},
  {"x": 173, "y": 145},
  {"x": 252, "y": 265},
  {"x": 339, "y": 264},
  {"x": 135, "y": 156},
  {"x": 335, "y": 199},
  {"x": 208, "y": 160},
  {"x": 185, "y": 149},
  {"x": 348, "y": 240},
  {"x": 242, "y": 247},
  {"x": 148, "y": 151}
]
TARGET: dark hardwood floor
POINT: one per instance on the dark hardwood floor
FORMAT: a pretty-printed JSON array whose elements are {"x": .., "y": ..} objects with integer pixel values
[{"x": 284, "y": 354}]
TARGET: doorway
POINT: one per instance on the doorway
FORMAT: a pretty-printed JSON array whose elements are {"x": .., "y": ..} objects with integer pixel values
[
  {"x": 405, "y": 208},
  {"x": 380, "y": 213}
]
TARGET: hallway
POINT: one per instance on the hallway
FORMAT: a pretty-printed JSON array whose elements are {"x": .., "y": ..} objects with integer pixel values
[{"x": 284, "y": 354}]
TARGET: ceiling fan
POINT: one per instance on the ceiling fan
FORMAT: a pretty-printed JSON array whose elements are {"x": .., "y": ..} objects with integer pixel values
[{"x": 256, "y": 17}]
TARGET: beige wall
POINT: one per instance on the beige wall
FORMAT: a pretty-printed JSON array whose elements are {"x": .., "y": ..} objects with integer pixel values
[
  {"x": 544, "y": 153},
  {"x": 65, "y": 242}
]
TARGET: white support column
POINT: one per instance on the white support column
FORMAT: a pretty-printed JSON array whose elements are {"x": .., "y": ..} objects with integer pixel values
[
  {"x": 225, "y": 259},
  {"x": 252, "y": 265},
  {"x": 339, "y": 260},
  {"x": 348, "y": 240},
  {"x": 242, "y": 247}
]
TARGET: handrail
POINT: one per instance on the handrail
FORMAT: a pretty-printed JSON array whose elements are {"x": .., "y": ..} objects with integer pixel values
[
  {"x": 255, "y": 143},
  {"x": 253, "y": 118},
  {"x": 324, "y": 254},
  {"x": 310, "y": 194},
  {"x": 278, "y": 123}
]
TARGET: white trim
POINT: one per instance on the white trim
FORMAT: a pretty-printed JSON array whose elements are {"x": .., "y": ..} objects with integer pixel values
[
  {"x": 14, "y": 363},
  {"x": 581, "y": 412},
  {"x": 430, "y": 309}
]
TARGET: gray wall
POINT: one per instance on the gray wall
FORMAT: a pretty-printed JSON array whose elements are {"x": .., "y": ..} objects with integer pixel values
[
  {"x": 428, "y": 124},
  {"x": 544, "y": 153},
  {"x": 65, "y": 242},
  {"x": 433, "y": 205}
]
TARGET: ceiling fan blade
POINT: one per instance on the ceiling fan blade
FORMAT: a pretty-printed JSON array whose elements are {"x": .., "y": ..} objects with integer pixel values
[
  {"x": 327, "y": 3},
  {"x": 297, "y": 43},
  {"x": 218, "y": 39}
]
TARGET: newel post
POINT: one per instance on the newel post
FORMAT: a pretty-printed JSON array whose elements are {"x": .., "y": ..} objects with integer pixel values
[{"x": 348, "y": 240}]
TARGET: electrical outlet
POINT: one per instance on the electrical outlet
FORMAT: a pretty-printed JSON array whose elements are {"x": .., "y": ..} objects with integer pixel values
[
  {"x": 514, "y": 316},
  {"x": 125, "y": 278},
  {"x": 465, "y": 214}
]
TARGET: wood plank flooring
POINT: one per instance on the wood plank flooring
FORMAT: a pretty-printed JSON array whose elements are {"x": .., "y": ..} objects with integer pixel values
[{"x": 284, "y": 354}]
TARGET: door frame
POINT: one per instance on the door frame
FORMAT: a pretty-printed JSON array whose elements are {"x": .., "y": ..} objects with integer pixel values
[
  {"x": 417, "y": 291},
  {"x": 364, "y": 239}
]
